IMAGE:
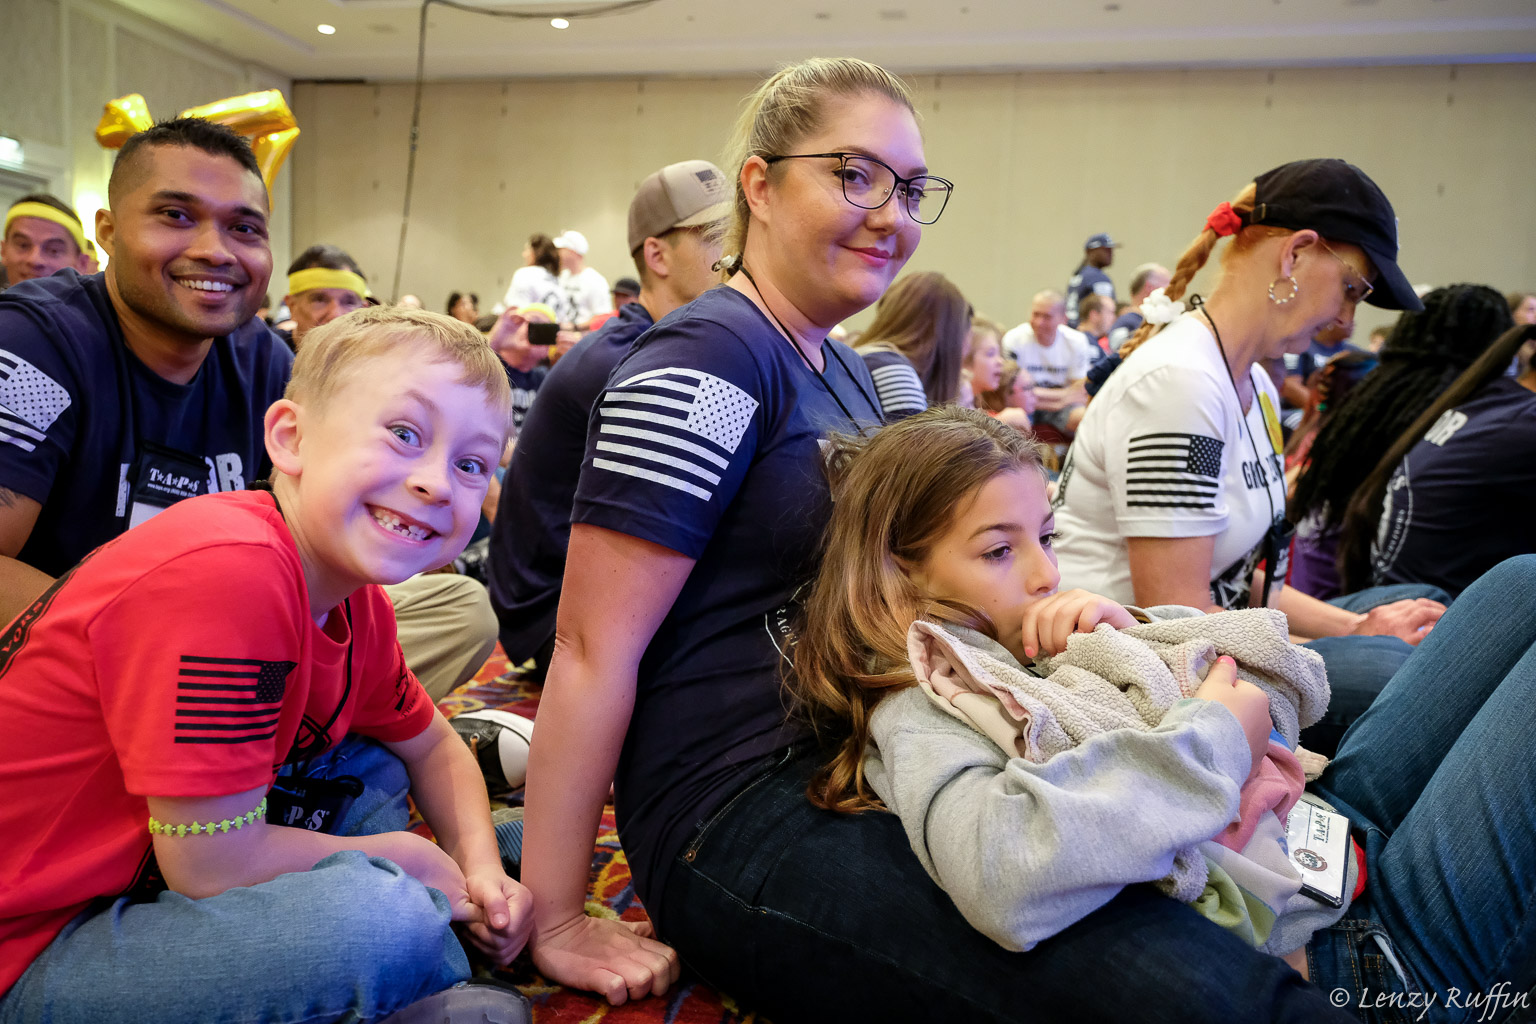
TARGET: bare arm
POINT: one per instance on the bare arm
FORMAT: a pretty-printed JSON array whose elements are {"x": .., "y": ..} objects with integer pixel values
[
  {"x": 206, "y": 865},
  {"x": 616, "y": 592},
  {"x": 20, "y": 584},
  {"x": 1056, "y": 399},
  {"x": 450, "y": 792},
  {"x": 1172, "y": 570},
  {"x": 1166, "y": 570}
]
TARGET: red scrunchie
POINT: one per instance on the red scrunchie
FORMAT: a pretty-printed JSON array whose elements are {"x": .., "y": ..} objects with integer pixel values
[{"x": 1224, "y": 220}]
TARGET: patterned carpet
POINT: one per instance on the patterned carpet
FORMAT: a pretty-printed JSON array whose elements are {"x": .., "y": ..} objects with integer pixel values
[{"x": 690, "y": 1001}]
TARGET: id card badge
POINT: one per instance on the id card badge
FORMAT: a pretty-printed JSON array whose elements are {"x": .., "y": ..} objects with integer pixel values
[
  {"x": 162, "y": 476},
  {"x": 319, "y": 805},
  {"x": 1317, "y": 840}
]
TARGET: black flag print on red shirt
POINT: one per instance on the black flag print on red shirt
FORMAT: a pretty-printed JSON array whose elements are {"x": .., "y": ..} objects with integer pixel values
[{"x": 229, "y": 700}]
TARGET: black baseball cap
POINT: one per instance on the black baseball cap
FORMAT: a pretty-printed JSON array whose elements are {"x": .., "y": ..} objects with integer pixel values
[{"x": 1338, "y": 201}]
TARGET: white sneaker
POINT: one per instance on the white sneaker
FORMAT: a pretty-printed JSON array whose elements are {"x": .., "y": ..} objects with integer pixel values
[{"x": 499, "y": 740}]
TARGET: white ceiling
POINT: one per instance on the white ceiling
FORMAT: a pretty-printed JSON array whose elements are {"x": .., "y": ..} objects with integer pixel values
[{"x": 376, "y": 39}]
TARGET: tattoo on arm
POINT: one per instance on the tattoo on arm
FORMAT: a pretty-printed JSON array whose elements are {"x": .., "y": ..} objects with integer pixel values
[{"x": 7, "y": 498}]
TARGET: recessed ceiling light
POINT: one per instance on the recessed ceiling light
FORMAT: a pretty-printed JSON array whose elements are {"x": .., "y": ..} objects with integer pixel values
[
  {"x": 326, "y": 30},
  {"x": 559, "y": 23}
]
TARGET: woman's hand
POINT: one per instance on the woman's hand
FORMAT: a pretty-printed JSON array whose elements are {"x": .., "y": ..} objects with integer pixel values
[
  {"x": 1248, "y": 704},
  {"x": 1406, "y": 620},
  {"x": 617, "y": 959},
  {"x": 1049, "y": 622},
  {"x": 505, "y": 915}
]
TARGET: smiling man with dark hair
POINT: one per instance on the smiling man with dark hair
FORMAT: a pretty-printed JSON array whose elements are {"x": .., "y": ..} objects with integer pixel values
[{"x": 125, "y": 391}]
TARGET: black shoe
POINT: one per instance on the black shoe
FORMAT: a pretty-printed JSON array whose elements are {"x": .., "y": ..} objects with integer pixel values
[
  {"x": 499, "y": 740},
  {"x": 481, "y": 1001}
]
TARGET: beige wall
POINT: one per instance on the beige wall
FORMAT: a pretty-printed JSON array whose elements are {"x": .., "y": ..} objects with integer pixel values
[
  {"x": 1041, "y": 161},
  {"x": 62, "y": 60}
]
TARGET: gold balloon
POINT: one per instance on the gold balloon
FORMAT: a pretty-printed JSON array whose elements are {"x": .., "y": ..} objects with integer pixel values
[
  {"x": 123, "y": 117},
  {"x": 263, "y": 116},
  {"x": 255, "y": 113},
  {"x": 271, "y": 150}
]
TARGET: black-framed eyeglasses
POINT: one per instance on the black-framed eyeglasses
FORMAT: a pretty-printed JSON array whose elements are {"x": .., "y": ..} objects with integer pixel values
[
  {"x": 869, "y": 184},
  {"x": 1356, "y": 293}
]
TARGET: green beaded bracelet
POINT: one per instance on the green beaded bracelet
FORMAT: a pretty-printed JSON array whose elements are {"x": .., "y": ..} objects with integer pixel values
[{"x": 160, "y": 828}]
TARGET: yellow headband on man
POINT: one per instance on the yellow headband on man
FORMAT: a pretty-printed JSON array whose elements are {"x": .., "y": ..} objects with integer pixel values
[
  {"x": 324, "y": 277},
  {"x": 42, "y": 211}
]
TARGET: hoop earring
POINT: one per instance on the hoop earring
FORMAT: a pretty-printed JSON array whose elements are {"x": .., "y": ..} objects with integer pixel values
[{"x": 1295, "y": 290}]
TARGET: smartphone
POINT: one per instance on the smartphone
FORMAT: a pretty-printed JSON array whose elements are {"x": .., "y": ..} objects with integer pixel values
[{"x": 542, "y": 334}]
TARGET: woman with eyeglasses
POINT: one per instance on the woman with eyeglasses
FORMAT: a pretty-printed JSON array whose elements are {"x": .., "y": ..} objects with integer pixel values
[
  {"x": 695, "y": 529},
  {"x": 1174, "y": 492}
]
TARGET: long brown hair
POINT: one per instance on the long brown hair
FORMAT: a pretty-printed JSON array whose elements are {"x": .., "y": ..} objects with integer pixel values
[
  {"x": 895, "y": 493},
  {"x": 925, "y": 318}
]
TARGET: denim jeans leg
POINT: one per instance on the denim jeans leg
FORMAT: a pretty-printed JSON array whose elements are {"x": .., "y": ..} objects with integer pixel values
[
  {"x": 1440, "y": 774},
  {"x": 1359, "y": 668},
  {"x": 806, "y": 915},
  {"x": 352, "y": 939}
]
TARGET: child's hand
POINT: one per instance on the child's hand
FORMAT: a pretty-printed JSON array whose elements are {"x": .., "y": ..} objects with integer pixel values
[
  {"x": 504, "y": 915},
  {"x": 1048, "y": 623},
  {"x": 1247, "y": 703}
]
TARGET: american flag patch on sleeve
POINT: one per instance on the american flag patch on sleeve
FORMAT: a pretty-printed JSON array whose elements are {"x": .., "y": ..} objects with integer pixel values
[
  {"x": 1168, "y": 470},
  {"x": 30, "y": 401},
  {"x": 675, "y": 427},
  {"x": 229, "y": 700}
]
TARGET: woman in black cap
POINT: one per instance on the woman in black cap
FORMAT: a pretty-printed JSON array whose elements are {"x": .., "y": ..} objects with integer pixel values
[{"x": 1174, "y": 492}]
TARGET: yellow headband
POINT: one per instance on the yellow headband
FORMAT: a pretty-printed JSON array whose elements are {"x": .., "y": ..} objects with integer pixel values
[
  {"x": 324, "y": 277},
  {"x": 42, "y": 211},
  {"x": 538, "y": 307}
]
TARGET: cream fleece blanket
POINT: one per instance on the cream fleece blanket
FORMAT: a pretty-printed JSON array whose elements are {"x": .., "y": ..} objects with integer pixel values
[{"x": 1118, "y": 679}]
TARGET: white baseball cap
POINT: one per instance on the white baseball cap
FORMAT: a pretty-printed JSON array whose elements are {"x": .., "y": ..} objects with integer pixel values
[{"x": 572, "y": 240}]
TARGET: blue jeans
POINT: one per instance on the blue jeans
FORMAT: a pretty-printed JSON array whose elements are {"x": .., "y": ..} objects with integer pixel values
[
  {"x": 352, "y": 939},
  {"x": 806, "y": 915},
  {"x": 1439, "y": 776},
  {"x": 1359, "y": 666}
]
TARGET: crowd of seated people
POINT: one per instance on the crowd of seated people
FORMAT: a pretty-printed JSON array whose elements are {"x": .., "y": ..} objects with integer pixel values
[{"x": 783, "y": 594}]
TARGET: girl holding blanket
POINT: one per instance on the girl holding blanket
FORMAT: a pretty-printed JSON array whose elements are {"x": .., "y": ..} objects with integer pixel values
[{"x": 1030, "y": 826}]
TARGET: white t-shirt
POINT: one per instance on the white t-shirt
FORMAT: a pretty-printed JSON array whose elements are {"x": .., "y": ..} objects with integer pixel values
[
  {"x": 588, "y": 293},
  {"x": 1163, "y": 452},
  {"x": 535, "y": 284},
  {"x": 1052, "y": 366}
]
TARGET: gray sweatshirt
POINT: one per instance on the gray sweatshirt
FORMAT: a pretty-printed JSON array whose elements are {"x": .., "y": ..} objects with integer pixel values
[{"x": 1026, "y": 849}]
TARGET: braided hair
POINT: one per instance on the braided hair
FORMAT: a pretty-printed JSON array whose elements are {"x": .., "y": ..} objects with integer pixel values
[
  {"x": 1425, "y": 352},
  {"x": 1199, "y": 251}
]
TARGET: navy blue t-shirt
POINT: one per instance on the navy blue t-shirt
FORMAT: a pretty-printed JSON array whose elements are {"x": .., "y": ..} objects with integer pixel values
[
  {"x": 525, "y": 388},
  {"x": 707, "y": 442},
  {"x": 1460, "y": 501},
  {"x": 533, "y": 518},
  {"x": 1088, "y": 279},
  {"x": 78, "y": 410}
]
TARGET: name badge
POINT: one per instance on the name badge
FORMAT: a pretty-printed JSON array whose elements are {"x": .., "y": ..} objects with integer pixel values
[
  {"x": 1317, "y": 841},
  {"x": 318, "y": 805},
  {"x": 162, "y": 476}
]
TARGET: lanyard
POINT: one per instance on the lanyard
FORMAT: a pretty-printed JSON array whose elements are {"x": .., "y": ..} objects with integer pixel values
[
  {"x": 879, "y": 416},
  {"x": 1271, "y": 541}
]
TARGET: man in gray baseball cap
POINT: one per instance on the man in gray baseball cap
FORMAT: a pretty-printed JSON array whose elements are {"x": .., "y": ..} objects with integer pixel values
[{"x": 676, "y": 221}]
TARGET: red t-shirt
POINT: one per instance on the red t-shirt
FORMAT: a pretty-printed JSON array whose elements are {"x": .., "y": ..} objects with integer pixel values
[{"x": 178, "y": 660}]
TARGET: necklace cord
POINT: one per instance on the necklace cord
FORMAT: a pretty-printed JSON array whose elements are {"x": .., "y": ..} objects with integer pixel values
[
  {"x": 790, "y": 338},
  {"x": 1270, "y": 544}
]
